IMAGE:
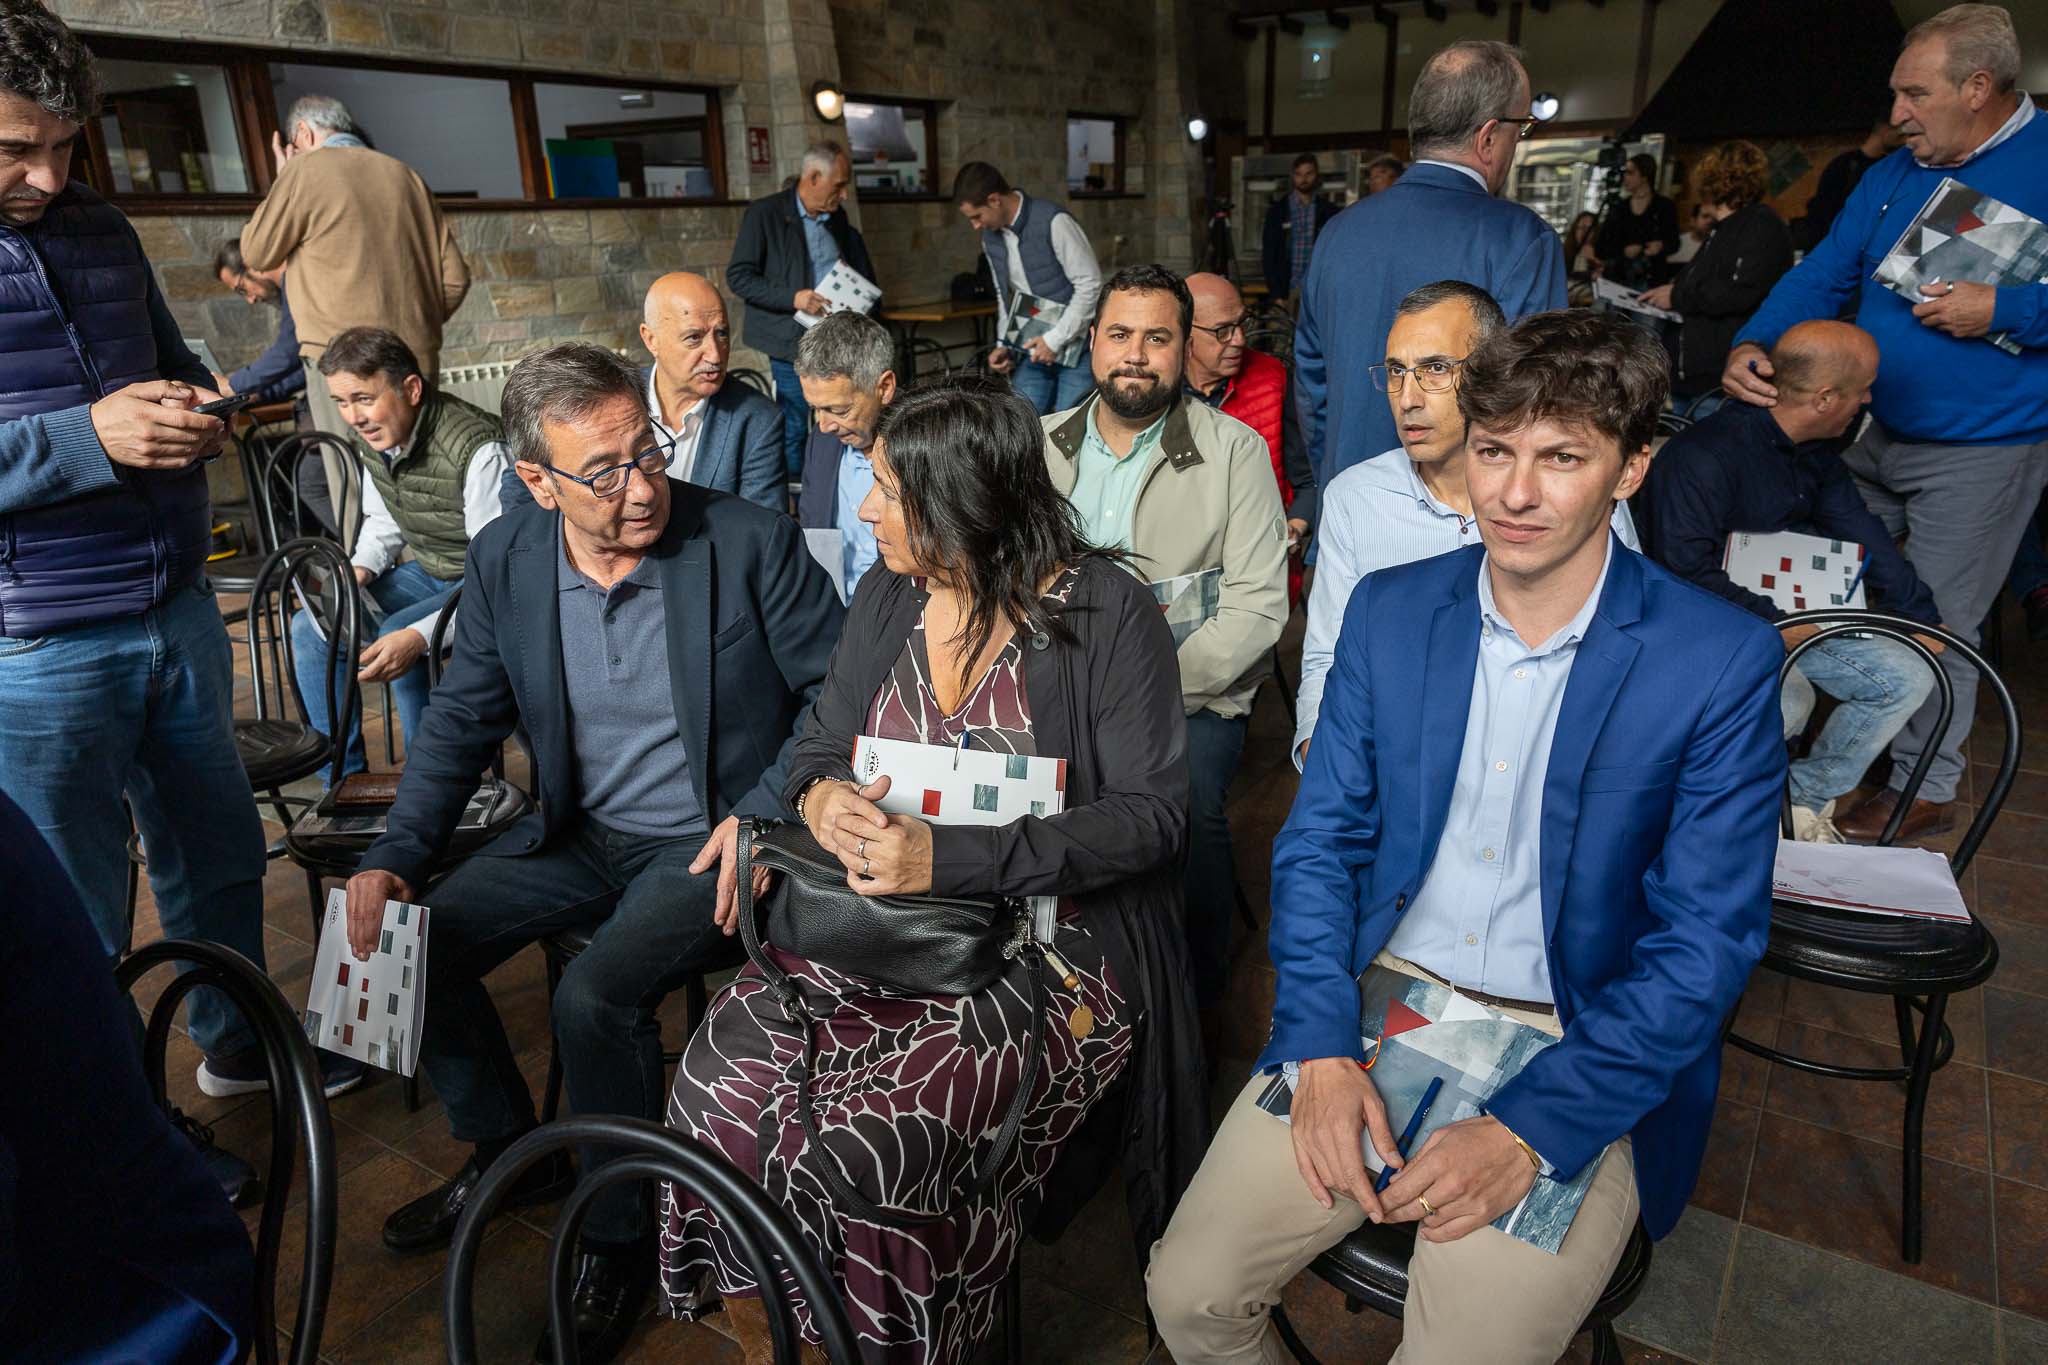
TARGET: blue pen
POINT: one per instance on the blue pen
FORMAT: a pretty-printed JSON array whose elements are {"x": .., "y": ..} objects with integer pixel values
[
  {"x": 1855, "y": 582},
  {"x": 1436, "y": 1085}
]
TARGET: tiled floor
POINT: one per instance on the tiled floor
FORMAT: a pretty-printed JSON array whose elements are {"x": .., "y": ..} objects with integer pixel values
[{"x": 1789, "y": 1251}]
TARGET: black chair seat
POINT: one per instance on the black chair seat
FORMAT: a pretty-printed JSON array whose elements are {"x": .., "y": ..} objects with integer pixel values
[
  {"x": 276, "y": 751},
  {"x": 1879, "y": 955},
  {"x": 337, "y": 855}
]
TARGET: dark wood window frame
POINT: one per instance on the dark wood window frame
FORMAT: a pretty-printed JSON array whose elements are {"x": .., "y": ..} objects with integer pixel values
[
  {"x": 1119, "y": 122},
  {"x": 930, "y": 109},
  {"x": 255, "y": 105}
]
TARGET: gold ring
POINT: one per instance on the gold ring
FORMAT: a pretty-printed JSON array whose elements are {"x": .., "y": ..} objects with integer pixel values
[{"x": 1423, "y": 1200}]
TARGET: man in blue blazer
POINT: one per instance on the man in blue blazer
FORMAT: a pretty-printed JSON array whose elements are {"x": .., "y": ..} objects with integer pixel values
[
  {"x": 727, "y": 436},
  {"x": 1546, "y": 774},
  {"x": 1440, "y": 221},
  {"x": 659, "y": 643}
]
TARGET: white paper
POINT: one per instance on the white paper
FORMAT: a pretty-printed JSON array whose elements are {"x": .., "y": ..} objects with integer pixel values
[
  {"x": 845, "y": 290},
  {"x": 1030, "y": 317},
  {"x": 1621, "y": 296},
  {"x": 1798, "y": 572},
  {"x": 371, "y": 1010},
  {"x": 828, "y": 546},
  {"x": 1912, "y": 882}
]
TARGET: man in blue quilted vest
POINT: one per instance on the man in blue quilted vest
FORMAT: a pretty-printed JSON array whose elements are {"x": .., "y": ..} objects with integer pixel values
[
  {"x": 116, "y": 681},
  {"x": 1037, "y": 248}
]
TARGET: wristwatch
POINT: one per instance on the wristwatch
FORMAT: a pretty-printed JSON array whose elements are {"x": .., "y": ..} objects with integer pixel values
[{"x": 802, "y": 793}]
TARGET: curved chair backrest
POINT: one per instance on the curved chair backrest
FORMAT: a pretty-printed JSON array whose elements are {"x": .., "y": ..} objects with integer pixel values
[
  {"x": 1903, "y": 631},
  {"x": 756, "y": 1224},
  {"x": 755, "y": 380},
  {"x": 1671, "y": 423},
  {"x": 298, "y": 1113},
  {"x": 1277, "y": 342},
  {"x": 916, "y": 351},
  {"x": 281, "y": 476},
  {"x": 444, "y": 638},
  {"x": 300, "y": 572}
]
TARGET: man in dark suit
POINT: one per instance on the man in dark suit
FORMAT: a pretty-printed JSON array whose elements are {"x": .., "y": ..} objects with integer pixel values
[
  {"x": 1293, "y": 223},
  {"x": 847, "y": 364},
  {"x": 659, "y": 642},
  {"x": 1442, "y": 220},
  {"x": 787, "y": 244},
  {"x": 726, "y": 436},
  {"x": 1546, "y": 775}
]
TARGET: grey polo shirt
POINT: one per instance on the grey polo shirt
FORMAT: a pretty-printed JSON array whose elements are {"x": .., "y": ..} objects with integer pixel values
[{"x": 632, "y": 772}]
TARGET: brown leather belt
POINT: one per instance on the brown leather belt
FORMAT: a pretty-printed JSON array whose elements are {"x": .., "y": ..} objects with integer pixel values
[{"x": 1499, "y": 1002}]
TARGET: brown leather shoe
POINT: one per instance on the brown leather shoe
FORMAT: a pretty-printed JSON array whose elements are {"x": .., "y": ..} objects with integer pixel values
[{"x": 1864, "y": 824}]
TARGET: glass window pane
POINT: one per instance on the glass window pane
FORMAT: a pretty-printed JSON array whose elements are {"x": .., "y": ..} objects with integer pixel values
[
  {"x": 887, "y": 142},
  {"x": 1091, "y": 155},
  {"x": 170, "y": 129},
  {"x": 456, "y": 131},
  {"x": 615, "y": 142}
]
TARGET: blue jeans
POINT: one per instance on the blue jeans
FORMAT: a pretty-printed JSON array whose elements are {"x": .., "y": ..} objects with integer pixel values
[
  {"x": 1879, "y": 683},
  {"x": 652, "y": 927},
  {"x": 796, "y": 416},
  {"x": 1054, "y": 388},
  {"x": 1215, "y": 743},
  {"x": 142, "y": 706},
  {"x": 407, "y": 593}
]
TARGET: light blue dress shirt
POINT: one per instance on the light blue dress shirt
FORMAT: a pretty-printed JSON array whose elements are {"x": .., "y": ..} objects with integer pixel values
[
  {"x": 1106, "y": 489},
  {"x": 1375, "y": 515},
  {"x": 818, "y": 240},
  {"x": 1477, "y": 920},
  {"x": 856, "y": 538}
]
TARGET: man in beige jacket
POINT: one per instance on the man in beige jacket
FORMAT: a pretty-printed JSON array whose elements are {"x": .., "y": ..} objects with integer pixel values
[
  {"x": 1189, "y": 492},
  {"x": 365, "y": 242}
]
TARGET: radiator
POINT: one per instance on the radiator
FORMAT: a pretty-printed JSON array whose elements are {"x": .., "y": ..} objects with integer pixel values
[{"x": 478, "y": 384}]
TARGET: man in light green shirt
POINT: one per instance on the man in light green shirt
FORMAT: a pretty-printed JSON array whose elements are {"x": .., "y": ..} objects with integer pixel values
[{"x": 1106, "y": 484}]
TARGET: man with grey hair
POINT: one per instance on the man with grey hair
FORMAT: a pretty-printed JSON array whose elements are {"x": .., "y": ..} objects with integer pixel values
[
  {"x": 847, "y": 366},
  {"x": 788, "y": 242},
  {"x": 659, "y": 642},
  {"x": 1957, "y": 447},
  {"x": 1442, "y": 220},
  {"x": 314, "y": 121}
]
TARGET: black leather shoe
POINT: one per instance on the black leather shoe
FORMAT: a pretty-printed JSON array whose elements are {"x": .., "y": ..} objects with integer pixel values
[
  {"x": 606, "y": 1304},
  {"x": 428, "y": 1222}
]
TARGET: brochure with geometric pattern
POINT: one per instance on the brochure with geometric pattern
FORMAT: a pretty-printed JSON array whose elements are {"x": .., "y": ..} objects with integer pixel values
[
  {"x": 1963, "y": 237},
  {"x": 371, "y": 1010}
]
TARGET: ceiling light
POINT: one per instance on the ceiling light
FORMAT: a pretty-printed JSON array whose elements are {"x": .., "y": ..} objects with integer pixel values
[
  {"x": 830, "y": 103},
  {"x": 1198, "y": 128},
  {"x": 1544, "y": 107}
]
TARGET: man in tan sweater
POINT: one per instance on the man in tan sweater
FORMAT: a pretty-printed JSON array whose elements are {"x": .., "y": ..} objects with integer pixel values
[{"x": 366, "y": 245}]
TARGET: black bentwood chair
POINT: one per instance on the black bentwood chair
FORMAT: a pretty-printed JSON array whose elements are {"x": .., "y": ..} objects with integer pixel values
[
  {"x": 756, "y": 1224},
  {"x": 1370, "y": 1268},
  {"x": 298, "y": 1111},
  {"x": 1919, "y": 963}
]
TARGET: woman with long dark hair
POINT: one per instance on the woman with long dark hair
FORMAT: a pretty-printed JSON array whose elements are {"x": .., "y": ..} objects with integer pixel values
[{"x": 988, "y": 623}]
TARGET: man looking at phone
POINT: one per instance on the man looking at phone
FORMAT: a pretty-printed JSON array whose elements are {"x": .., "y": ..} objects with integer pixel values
[{"x": 116, "y": 681}]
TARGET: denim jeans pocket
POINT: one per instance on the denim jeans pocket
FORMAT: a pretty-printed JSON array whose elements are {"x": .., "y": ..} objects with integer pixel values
[{"x": 12, "y": 646}]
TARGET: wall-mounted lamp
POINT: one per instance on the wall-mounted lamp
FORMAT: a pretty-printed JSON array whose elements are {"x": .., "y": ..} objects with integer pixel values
[
  {"x": 1198, "y": 128},
  {"x": 1544, "y": 107},
  {"x": 829, "y": 102}
]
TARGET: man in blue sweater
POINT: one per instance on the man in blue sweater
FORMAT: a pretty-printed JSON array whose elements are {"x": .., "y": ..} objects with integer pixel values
[
  {"x": 1958, "y": 450},
  {"x": 1443, "y": 220}
]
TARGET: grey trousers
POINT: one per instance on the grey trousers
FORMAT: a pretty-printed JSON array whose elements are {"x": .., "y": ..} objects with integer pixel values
[
  {"x": 344, "y": 499},
  {"x": 1963, "y": 509}
]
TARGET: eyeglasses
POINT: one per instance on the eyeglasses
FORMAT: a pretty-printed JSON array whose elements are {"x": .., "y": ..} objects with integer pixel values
[
  {"x": 1527, "y": 126},
  {"x": 1431, "y": 376},
  {"x": 611, "y": 481},
  {"x": 1224, "y": 331}
]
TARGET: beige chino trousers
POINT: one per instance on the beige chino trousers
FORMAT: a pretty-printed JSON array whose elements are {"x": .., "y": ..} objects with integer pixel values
[{"x": 1248, "y": 1225}]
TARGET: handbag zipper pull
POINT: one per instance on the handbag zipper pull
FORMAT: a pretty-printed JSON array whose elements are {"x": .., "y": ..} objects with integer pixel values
[{"x": 1081, "y": 1020}]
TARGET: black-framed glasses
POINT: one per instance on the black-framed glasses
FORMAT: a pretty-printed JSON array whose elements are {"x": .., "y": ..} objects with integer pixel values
[
  {"x": 1224, "y": 331},
  {"x": 611, "y": 481},
  {"x": 1431, "y": 376}
]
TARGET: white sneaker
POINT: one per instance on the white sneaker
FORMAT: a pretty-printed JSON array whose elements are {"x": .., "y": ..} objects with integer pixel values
[{"x": 1810, "y": 826}]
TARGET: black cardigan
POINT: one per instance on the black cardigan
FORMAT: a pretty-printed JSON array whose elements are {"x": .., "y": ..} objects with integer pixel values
[
  {"x": 1724, "y": 283},
  {"x": 1110, "y": 704}
]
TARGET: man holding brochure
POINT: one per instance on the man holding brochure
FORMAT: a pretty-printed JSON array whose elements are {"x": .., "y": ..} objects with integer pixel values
[
  {"x": 658, "y": 641},
  {"x": 1036, "y": 247},
  {"x": 1592, "y": 859},
  {"x": 1190, "y": 493}
]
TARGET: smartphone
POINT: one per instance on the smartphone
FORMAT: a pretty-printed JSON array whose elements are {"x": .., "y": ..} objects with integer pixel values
[{"x": 223, "y": 407}]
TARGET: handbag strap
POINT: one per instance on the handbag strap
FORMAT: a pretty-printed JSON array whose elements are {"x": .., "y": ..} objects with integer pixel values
[{"x": 790, "y": 996}]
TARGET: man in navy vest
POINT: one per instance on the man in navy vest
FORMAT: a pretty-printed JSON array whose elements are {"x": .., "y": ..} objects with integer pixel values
[
  {"x": 1035, "y": 246},
  {"x": 116, "y": 681}
]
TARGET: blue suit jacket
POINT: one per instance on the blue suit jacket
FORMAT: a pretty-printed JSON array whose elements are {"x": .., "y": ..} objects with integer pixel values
[
  {"x": 817, "y": 507},
  {"x": 1658, "y": 830},
  {"x": 752, "y": 621},
  {"x": 1434, "y": 223},
  {"x": 740, "y": 450}
]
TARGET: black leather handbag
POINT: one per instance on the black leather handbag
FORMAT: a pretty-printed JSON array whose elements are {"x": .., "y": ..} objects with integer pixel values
[{"x": 921, "y": 945}]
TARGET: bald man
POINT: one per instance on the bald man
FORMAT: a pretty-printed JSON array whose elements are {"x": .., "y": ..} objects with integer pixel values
[
  {"x": 725, "y": 435},
  {"x": 1226, "y": 373},
  {"x": 1773, "y": 469}
]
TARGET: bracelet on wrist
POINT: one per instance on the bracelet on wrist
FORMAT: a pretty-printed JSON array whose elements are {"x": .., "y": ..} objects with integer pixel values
[{"x": 1527, "y": 1151}]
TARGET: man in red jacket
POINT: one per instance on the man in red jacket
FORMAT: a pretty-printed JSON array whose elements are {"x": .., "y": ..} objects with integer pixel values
[{"x": 1226, "y": 373}]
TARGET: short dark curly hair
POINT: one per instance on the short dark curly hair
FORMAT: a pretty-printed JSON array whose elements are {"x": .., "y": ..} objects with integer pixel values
[
  {"x": 43, "y": 61},
  {"x": 1588, "y": 369},
  {"x": 1147, "y": 279}
]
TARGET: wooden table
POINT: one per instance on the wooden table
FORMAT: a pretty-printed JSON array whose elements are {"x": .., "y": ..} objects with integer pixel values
[{"x": 908, "y": 317}]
